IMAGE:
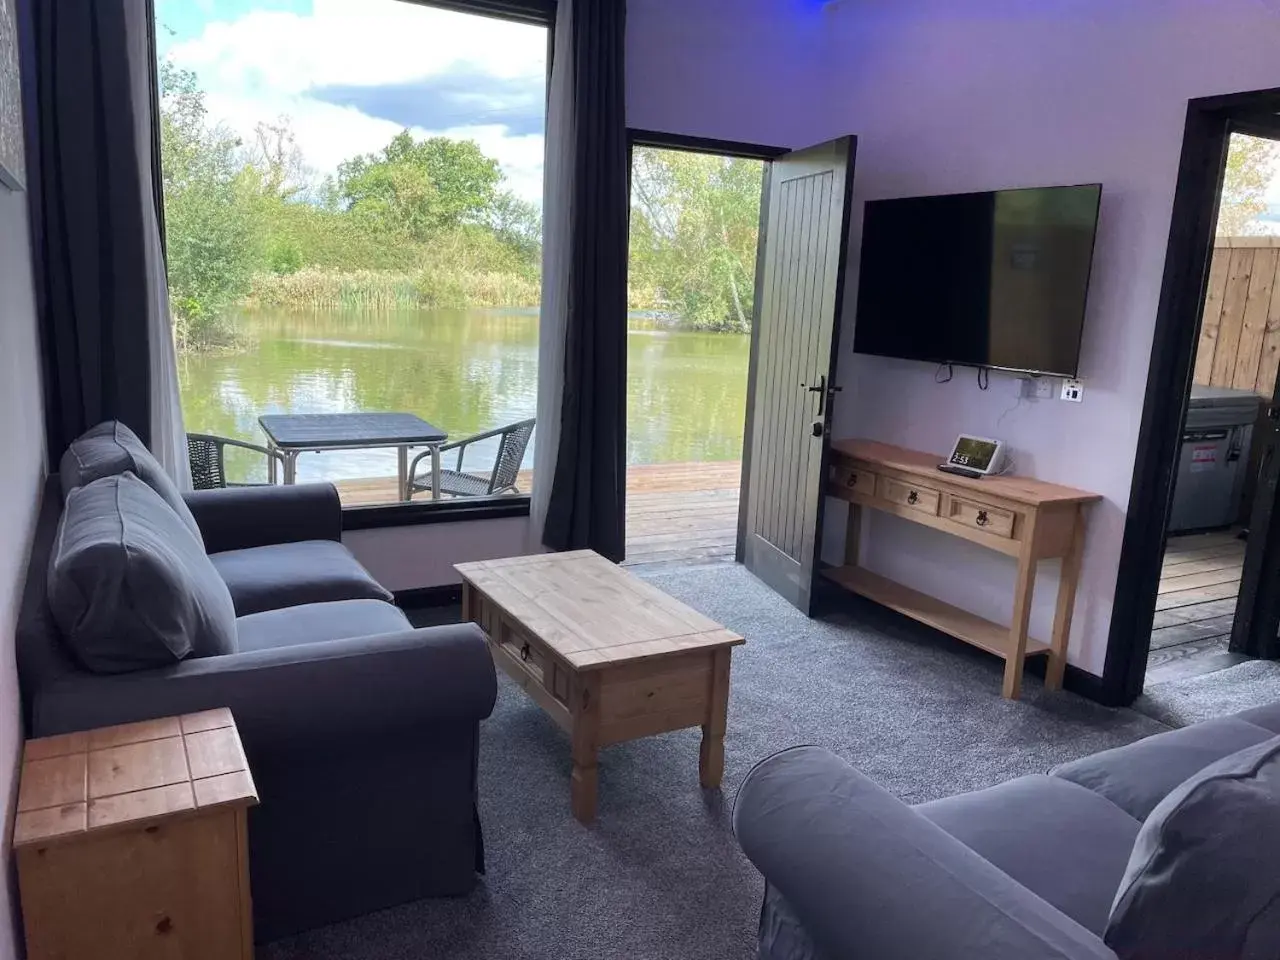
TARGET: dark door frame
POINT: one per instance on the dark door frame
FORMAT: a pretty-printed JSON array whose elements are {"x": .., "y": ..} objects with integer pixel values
[
  {"x": 1210, "y": 122},
  {"x": 747, "y": 151}
]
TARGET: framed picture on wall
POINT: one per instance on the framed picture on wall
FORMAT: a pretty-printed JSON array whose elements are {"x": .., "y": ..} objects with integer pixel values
[{"x": 12, "y": 167}]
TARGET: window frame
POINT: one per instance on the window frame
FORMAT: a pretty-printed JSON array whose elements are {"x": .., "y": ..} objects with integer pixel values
[{"x": 540, "y": 13}]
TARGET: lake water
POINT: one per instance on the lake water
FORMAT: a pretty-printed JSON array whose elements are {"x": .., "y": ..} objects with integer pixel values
[{"x": 464, "y": 371}]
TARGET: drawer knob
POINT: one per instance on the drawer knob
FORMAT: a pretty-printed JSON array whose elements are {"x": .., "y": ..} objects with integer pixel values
[
  {"x": 524, "y": 653},
  {"x": 913, "y": 497},
  {"x": 983, "y": 519},
  {"x": 852, "y": 481}
]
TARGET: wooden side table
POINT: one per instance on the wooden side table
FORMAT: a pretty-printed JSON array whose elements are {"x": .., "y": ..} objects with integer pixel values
[{"x": 131, "y": 842}]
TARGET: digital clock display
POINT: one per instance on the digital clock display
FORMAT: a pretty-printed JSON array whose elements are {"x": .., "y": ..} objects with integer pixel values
[{"x": 973, "y": 454}]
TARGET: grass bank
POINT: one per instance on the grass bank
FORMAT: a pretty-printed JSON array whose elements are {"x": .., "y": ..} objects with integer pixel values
[{"x": 320, "y": 289}]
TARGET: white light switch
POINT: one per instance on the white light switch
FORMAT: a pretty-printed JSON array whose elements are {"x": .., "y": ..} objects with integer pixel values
[{"x": 1072, "y": 390}]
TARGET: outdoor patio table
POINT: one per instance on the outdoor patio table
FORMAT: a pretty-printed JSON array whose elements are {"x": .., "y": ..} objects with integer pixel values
[{"x": 295, "y": 433}]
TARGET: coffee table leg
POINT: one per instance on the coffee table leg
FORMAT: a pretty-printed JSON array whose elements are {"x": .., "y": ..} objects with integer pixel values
[
  {"x": 711, "y": 755},
  {"x": 586, "y": 748}
]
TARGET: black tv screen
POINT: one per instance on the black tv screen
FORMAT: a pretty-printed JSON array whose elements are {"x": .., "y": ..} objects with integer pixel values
[{"x": 980, "y": 279}]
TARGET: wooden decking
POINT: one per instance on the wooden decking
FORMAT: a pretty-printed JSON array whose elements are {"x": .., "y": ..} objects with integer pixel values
[
  {"x": 1196, "y": 605},
  {"x": 676, "y": 512},
  {"x": 683, "y": 513}
]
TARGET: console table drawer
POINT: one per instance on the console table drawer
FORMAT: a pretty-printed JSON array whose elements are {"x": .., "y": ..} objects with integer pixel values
[
  {"x": 909, "y": 495},
  {"x": 851, "y": 478},
  {"x": 969, "y": 513}
]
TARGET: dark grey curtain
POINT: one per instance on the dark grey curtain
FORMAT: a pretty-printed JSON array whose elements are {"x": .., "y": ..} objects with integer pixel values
[
  {"x": 588, "y": 493},
  {"x": 86, "y": 203}
]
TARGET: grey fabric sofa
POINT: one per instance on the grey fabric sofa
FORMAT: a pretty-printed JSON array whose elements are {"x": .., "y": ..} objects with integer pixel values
[
  {"x": 361, "y": 731},
  {"x": 1164, "y": 849}
]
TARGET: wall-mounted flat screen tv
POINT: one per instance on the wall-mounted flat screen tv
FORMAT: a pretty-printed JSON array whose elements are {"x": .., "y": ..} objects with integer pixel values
[{"x": 993, "y": 280}]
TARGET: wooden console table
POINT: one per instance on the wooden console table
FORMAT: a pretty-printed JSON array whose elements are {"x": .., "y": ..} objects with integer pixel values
[{"x": 1026, "y": 519}]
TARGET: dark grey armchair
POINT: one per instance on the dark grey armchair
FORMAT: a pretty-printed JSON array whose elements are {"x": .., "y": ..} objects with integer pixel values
[
  {"x": 208, "y": 456},
  {"x": 501, "y": 479}
]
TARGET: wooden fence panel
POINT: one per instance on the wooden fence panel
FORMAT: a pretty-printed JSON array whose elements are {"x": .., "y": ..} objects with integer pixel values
[{"x": 1240, "y": 334}]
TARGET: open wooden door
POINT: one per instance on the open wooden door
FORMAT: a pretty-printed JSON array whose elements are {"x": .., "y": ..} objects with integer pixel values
[
  {"x": 800, "y": 287},
  {"x": 1257, "y": 621},
  {"x": 1258, "y": 611},
  {"x": 1257, "y": 615}
]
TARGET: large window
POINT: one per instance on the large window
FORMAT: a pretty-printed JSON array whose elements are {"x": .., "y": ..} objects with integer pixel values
[{"x": 353, "y": 196}]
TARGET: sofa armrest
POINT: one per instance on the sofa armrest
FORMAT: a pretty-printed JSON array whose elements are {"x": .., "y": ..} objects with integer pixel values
[
  {"x": 867, "y": 876},
  {"x": 240, "y": 517},
  {"x": 306, "y": 694}
]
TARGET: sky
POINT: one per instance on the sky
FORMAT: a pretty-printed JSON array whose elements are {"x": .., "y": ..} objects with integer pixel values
[{"x": 351, "y": 74}]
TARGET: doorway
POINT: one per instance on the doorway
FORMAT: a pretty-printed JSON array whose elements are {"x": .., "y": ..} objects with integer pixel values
[
  {"x": 1198, "y": 569},
  {"x": 1233, "y": 378},
  {"x": 695, "y": 227},
  {"x": 801, "y": 234}
]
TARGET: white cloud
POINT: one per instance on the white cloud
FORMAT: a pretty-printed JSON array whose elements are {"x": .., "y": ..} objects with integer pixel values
[{"x": 266, "y": 64}]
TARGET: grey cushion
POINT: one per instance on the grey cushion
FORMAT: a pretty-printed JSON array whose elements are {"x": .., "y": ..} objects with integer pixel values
[
  {"x": 129, "y": 586},
  {"x": 1137, "y": 777},
  {"x": 315, "y": 622},
  {"x": 1204, "y": 878},
  {"x": 110, "y": 449},
  {"x": 289, "y": 574},
  {"x": 1065, "y": 843},
  {"x": 1268, "y": 717}
]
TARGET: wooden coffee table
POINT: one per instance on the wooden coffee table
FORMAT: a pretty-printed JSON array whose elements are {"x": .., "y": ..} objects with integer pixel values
[{"x": 608, "y": 656}]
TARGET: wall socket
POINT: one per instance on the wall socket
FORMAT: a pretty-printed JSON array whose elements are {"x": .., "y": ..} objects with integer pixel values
[
  {"x": 1036, "y": 388},
  {"x": 1072, "y": 390}
]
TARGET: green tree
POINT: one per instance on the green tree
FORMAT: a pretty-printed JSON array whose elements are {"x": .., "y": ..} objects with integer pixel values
[
  {"x": 1252, "y": 163},
  {"x": 417, "y": 223},
  {"x": 211, "y": 228},
  {"x": 416, "y": 189},
  {"x": 518, "y": 224},
  {"x": 694, "y": 228}
]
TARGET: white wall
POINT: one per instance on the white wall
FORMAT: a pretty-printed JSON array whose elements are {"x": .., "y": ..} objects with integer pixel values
[
  {"x": 742, "y": 70},
  {"x": 21, "y": 474},
  {"x": 407, "y": 558},
  {"x": 1013, "y": 94}
]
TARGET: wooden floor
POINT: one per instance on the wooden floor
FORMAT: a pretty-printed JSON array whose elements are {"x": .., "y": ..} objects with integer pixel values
[
  {"x": 1196, "y": 606},
  {"x": 676, "y": 512}
]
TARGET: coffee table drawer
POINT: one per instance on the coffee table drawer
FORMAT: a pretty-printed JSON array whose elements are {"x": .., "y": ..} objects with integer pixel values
[{"x": 533, "y": 658}]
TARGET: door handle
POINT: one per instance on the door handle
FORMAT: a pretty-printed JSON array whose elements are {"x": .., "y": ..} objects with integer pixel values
[{"x": 821, "y": 391}]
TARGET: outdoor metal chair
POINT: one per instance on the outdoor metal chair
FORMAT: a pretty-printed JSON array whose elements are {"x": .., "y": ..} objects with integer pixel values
[
  {"x": 501, "y": 479},
  {"x": 208, "y": 461}
]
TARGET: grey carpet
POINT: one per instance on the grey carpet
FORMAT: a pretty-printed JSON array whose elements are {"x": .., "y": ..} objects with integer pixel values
[
  {"x": 658, "y": 875},
  {"x": 1182, "y": 702}
]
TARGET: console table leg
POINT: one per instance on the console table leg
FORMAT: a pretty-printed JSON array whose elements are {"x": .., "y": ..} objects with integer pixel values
[
  {"x": 1066, "y": 606},
  {"x": 853, "y": 535},
  {"x": 1021, "y": 623}
]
